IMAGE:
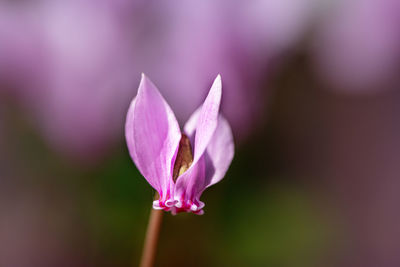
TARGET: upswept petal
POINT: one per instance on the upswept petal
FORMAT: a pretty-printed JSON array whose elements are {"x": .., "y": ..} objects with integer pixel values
[
  {"x": 202, "y": 127},
  {"x": 152, "y": 134},
  {"x": 208, "y": 118},
  {"x": 219, "y": 152}
]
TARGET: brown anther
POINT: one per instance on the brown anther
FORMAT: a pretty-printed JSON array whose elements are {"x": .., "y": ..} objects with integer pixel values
[{"x": 184, "y": 158}]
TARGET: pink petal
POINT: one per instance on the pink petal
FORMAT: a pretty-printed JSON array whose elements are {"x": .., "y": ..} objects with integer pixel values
[
  {"x": 202, "y": 125},
  {"x": 208, "y": 118},
  {"x": 188, "y": 187},
  {"x": 152, "y": 135},
  {"x": 190, "y": 126},
  {"x": 220, "y": 150}
]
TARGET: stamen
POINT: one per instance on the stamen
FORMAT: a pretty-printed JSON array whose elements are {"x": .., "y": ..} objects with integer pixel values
[{"x": 184, "y": 158}]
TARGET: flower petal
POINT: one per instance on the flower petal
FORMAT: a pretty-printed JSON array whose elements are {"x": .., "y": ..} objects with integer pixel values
[
  {"x": 190, "y": 126},
  {"x": 200, "y": 129},
  {"x": 220, "y": 150},
  {"x": 209, "y": 169},
  {"x": 152, "y": 135},
  {"x": 208, "y": 118},
  {"x": 187, "y": 188}
]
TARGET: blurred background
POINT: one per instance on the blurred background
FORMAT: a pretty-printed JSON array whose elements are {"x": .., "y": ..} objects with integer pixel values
[{"x": 310, "y": 87}]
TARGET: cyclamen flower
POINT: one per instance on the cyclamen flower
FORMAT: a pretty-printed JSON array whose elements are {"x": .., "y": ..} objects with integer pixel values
[{"x": 179, "y": 166}]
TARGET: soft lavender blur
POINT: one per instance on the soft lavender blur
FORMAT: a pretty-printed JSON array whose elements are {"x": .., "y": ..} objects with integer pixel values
[
  {"x": 72, "y": 68},
  {"x": 357, "y": 47},
  {"x": 76, "y": 63},
  {"x": 311, "y": 89}
]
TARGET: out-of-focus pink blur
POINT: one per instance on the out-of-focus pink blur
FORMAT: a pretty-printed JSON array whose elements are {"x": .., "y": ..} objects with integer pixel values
[{"x": 76, "y": 64}]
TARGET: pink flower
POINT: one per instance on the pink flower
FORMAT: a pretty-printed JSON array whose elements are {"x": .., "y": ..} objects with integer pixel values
[{"x": 178, "y": 171}]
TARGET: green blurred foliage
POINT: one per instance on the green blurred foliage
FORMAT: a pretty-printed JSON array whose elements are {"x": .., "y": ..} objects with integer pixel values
[{"x": 251, "y": 219}]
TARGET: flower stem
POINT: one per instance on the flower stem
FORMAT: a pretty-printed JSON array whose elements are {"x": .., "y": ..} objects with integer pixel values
[{"x": 151, "y": 239}]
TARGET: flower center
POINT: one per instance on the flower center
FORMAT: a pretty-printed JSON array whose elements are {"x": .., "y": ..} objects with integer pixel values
[{"x": 184, "y": 158}]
